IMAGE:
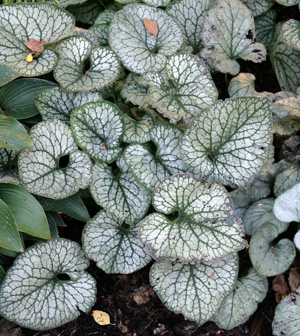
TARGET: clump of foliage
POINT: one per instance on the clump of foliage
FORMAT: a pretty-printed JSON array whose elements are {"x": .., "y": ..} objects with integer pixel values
[{"x": 126, "y": 115}]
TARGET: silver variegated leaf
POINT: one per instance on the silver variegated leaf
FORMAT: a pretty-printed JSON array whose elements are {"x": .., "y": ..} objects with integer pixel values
[
  {"x": 135, "y": 92},
  {"x": 238, "y": 306},
  {"x": 90, "y": 35},
  {"x": 258, "y": 7},
  {"x": 138, "y": 50},
  {"x": 189, "y": 14},
  {"x": 98, "y": 128},
  {"x": 114, "y": 247},
  {"x": 196, "y": 291},
  {"x": 150, "y": 169},
  {"x": 290, "y": 34},
  {"x": 74, "y": 52},
  {"x": 268, "y": 259},
  {"x": 137, "y": 131},
  {"x": 297, "y": 240},
  {"x": 120, "y": 195},
  {"x": 100, "y": 27},
  {"x": 201, "y": 232},
  {"x": 32, "y": 294},
  {"x": 265, "y": 26},
  {"x": 21, "y": 22},
  {"x": 286, "y": 180},
  {"x": 39, "y": 165},
  {"x": 288, "y": 2},
  {"x": 229, "y": 142},
  {"x": 186, "y": 91},
  {"x": 224, "y": 36},
  {"x": 57, "y": 103}
]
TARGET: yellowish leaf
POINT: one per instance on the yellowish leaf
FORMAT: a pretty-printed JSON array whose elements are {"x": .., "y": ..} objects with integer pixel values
[
  {"x": 29, "y": 58},
  {"x": 101, "y": 317},
  {"x": 151, "y": 27}
]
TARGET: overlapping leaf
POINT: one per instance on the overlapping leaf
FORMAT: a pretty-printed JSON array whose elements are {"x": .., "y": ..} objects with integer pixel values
[
  {"x": 290, "y": 34},
  {"x": 100, "y": 27},
  {"x": 286, "y": 180},
  {"x": 39, "y": 165},
  {"x": 137, "y": 131},
  {"x": 229, "y": 141},
  {"x": 7, "y": 75},
  {"x": 87, "y": 11},
  {"x": 258, "y": 7},
  {"x": 7, "y": 158},
  {"x": 288, "y": 2},
  {"x": 265, "y": 26}
]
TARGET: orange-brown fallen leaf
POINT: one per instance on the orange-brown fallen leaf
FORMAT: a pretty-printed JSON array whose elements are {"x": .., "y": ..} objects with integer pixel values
[
  {"x": 34, "y": 45},
  {"x": 294, "y": 279},
  {"x": 102, "y": 147},
  {"x": 280, "y": 287},
  {"x": 151, "y": 26}
]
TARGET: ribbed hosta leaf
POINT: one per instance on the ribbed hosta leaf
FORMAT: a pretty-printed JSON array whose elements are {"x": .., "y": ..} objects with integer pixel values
[
  {"x": 229, "y": 141},
  {"x": 137, "y": 131},
  {"x": 115, "y": 248},
  {"x": 290, "y": 34},
  {"x": 287, "y": 316},
  {"x": 268, "y": 259},
  {"x": 286, "y": 180},
  {"x": 243, "y": 301},
  {"x": 187, "y": 90},
  {"x": 120, "y": 195},
  {"x": 57, "y": 103},
  {"x": 265, "y": 26},
  {"x": 100, "y": 28},
  {"x": 224, "y": 36},
  {"x": 40, "y": 166},
  {"x": 287, "y": 205},
  {"x": 98, "y": 128},
  {"x": 196, "y": 291},
  {"x": 21, "y": 22},
  {"x": 7, "y": 158},
  {"x": 33, "y": 296},
  {"x": 138, "y": 50},
  {"x": 7, "y": 75},
  {"x": 72, "y": 71},
  {"x": 150, "y": 169},
  {"x": 135, "y": 92},
  {"x": 202, "y": 231},
  {"x": 189, "y": 14},
  {"x": 258, "y": 7}
]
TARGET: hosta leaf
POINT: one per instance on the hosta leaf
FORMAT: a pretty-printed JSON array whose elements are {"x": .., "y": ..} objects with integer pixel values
[
  {"x": 286, "y": 180},
  {"x": 202, "y": 230},
  {"x": 265, "y": 26},
  {"x": 196, "y": 291},
  {"x": 7, "y": 75},
  {"x": 290, "y": 34},
  {"x": 228, "y": 142},
  {"x": 258, "y": 7},
  {"x": 287, "y": 316},
  {"x": 21, "y": 22},
  {"x": 87, "y": 11},
  {"x": 57, "y": 103},
  {"x": 259, "y": 213},
  {"x": 287, "y": 205},
  {"x": 32, "y": 294},
  {"x": 243, "y": 301},
  {"x": 120, "y": 195},
  {"x": 224, "y": 36},
  {"x": 71, "y": 72},
  {"x": 9, "y": 235},
  {"x": 115, "y": 248},
  {"x": 12, "y": 134},
  {"x": 16, "y": 98},
  {"x": 266, "y": 258},
  {"x": 138, "y": 50},
  {"x": 28, "y": 213},
  {"x": 137, "y": 131},
  {"x": 100, "y": 27},
  {"x": 7, "y": 158},
  {"x": 150, "y": 169},
  {"x": 188, "y": 90},
  {"x": 98, "y": 128},
  {"x": 189, "y": 14},
  {"x": 41, "y": 168}
]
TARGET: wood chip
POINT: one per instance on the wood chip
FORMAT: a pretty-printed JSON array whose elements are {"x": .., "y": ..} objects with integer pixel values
[{"x": 151, "y": 27}]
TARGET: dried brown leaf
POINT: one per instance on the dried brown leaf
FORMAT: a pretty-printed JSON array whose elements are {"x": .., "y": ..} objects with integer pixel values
[
  {"x": 280, "y": 287},
  {"x": 151, "y": 26},
  {"x": 142, "y": 295},
  {"x": 294, "y": 279},
  {"x": 35, "y": 46}
]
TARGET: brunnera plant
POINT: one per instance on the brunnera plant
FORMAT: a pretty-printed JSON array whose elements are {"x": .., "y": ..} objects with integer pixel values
[{"x": 127, "y": 115}]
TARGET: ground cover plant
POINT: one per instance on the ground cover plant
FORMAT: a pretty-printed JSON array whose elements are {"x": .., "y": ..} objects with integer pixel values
[{"x": 113, "y": 115}]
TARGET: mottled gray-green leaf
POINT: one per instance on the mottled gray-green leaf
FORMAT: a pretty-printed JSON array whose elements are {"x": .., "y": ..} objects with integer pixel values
[
  {"x": 288, "y": 2},
  {"x": 265, "y": 26},
  {"x": 286, "y": 180},
  {"x": 100, "y": 27},
  {"x": 70, "y": 72},
  {"x": 87, "y": 34},
  {"x": 7, "y": 75},
  {"x": 138, "y": 50},
  {"x": 258, "y": 7},
  {"x": 238, "y": 306},
  {"x": 39, "y": 165},
  {"x": 87, "y": 11},
  {"x": 268, "y": 259},
  {"x": 33, "y": 296},
  {"x": 137, "y": 131},
  {"x": 229, "y": 141},
  {"x": 290, "y": 34},
  {"x": 57, "y": 103},
  {"x": 98, "y": 128},
  {"x": 196, "y": 291},
  {"x": 114, "y": 248}
]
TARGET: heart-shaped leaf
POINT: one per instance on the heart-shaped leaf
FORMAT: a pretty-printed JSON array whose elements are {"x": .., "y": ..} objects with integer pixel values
[
  {"x": 258, "y": 7},
  {"x": 238, "y": 306},
  {"x": 120, "y": 195},
  {"x": 229, "y": 141},
  {"x": 290, "y": 34},
  {"x": 224, "y": 36},
  {"x": 137, "y": 131},
  {"x": 286, "y": 180},
  {"x": 265, "y": 26},
  {"x": 201, "y": 232},
  {"x": 32, "y": 294},
  {"x": 98, "y": 128},
  {"x": 196, "y": 291},
  {"x": 150, "y": 169},
  {"x": 57, "y": 103},
  {"x": 83, "y": 67},
  {"x": 100, "y": 28},
  {"x": 114, "y": 247},
  {"x": 128, "y": 37},
  {"x": 53, "y": 166},
  {"x": 187, "y": 90},
  {"x": 21, "y": 23}
]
